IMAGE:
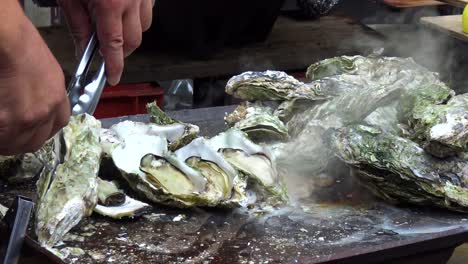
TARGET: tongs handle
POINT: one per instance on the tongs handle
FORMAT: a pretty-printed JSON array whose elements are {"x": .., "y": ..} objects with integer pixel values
[{"x": 87, "y": 101}]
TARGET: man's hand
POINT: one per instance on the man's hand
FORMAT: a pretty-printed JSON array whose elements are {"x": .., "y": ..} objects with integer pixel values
[
  {"x": 33, "y": 100},
  {"x": 119, "y": 23}
]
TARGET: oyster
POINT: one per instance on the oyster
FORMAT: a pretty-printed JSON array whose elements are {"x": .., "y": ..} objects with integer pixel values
[
  {"x": 194, "y": 175},
  {"x": 255, "y": 162},
  {"x": 258, "y": 122},
  {"x": 398, "y": 169},
  {"x": 270, "y": 86},
  {"x": 331, "y": 67},
  {"x": 158, "y": 117},
  {"x": 109, "y": 194},
  {"x": 442, "y": 128},
  {"x": 129, "y": 208},
  {"x": 360, "y": 85},
  {"x": 175, "y": 173},
  {"x": 67, "y": 189}
]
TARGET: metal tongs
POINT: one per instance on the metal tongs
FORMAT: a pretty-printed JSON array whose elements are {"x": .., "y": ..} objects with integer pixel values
[{"x": 85, "y": 100}]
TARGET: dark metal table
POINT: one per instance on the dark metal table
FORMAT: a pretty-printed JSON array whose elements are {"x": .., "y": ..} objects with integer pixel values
[{"x": 336, "y": 224}]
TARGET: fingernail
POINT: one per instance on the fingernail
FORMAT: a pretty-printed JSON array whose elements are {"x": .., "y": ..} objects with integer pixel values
[{"x": 115, "y": 81}]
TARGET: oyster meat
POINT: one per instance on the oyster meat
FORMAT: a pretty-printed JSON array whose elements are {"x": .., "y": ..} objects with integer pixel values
[
  {"x": 174, "y": 174},
  {"x": 399, "y": 170},
  {"x": 67, "y": 189},
  {"x": 257, "y": 163},
  {"x": 270, "y": 86},
  {"x": 194, "y": 175},
  {"x": 113, "y": 202},
  {"x": 258, "y": 122}
]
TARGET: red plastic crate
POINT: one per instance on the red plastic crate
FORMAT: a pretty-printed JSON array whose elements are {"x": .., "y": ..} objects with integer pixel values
[{"x": 128, "y": 99}]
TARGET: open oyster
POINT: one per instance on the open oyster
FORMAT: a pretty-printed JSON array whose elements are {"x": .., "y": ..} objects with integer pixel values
[
  {"x": 258, "y": 122},
  {"x": 270, "y": 86},
  {"x": 257, "y": 163},
  {"x": 398, "y": 170},
  {"x": 195, "y": 175},
  {"x": 109, "y": 194},
  {"x": 113, "y": 203},
  {"x": 174, "y": 175},
  {"x": 67, "y": 188}
]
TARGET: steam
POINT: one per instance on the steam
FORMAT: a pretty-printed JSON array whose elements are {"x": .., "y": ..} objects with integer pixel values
[{"x": 432, "y": 49}]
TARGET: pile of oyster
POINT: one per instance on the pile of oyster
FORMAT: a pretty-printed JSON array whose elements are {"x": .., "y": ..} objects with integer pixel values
[
  {"x": 86, "y": 169},
  {"x": 402, "y": 132}
]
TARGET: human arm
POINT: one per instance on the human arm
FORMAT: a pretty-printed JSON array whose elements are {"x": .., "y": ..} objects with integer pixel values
[{"x": 33, "y": 100}]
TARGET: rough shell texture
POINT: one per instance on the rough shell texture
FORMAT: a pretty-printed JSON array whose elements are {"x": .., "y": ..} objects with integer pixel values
[
  {"x": 270, "y": 85},
  {"x": 68, "y": 191},
  {"x": 398, "y": 169},
  {"x": 258, "y": 122},
  {"x": 442, "y": 128}
]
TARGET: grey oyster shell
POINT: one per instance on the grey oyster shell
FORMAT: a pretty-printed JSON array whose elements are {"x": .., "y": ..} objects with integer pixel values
[
  {"x": 270, "y": 86},
  {"x": 441, "y": 128},
  {"x": 67, "y": 190},
  {"x": 398, "y": 170},
  {"x": 258, "y": 122}
]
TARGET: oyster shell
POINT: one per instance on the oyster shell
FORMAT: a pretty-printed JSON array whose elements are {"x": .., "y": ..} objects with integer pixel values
[
  {"x": 258, "y": 122},
  {"x": 442, "y": 128},
  {"x": 361, "y": 85},
  {"x": 173, "y": 174},
  {"x": 398, "y": 169},
  {"x": 129, "y": 208},
  {"x": 331, "y": 67},
  {"x": 270, "y": 86},
  {"x": 194, "y": 175},
  {"x": 109, "y": 194},
  {"x": 67, "y": 190},
  {"x": 159, "y": 117},
  {"x": 176, "y": 134},
  {"x": 257, "y": 163}
]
